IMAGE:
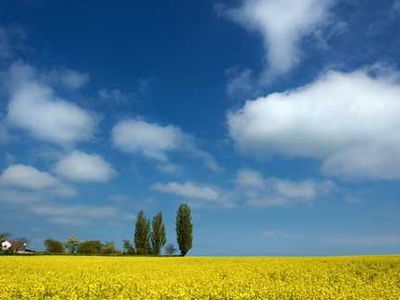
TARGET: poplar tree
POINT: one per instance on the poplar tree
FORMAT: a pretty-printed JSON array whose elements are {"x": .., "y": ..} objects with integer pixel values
[
  {"x": 184, "y": 229},
  {"x": 158, "y": 238},
  {"x": 142, "y": 234}
]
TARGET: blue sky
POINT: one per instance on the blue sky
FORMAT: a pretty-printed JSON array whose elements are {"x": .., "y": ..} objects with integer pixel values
[{"x": 278, "y": 121}]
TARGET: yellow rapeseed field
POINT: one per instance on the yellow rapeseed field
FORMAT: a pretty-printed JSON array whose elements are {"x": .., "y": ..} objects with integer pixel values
[{"x": 68, "y": 277}]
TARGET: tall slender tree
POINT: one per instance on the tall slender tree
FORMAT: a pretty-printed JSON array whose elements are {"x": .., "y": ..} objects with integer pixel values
[
  {"x": 148, "y": 244},
  {"x": 142, "y": 234},
  {"x": 184, "y": 229},
  {"x": 158, "y": 238}
]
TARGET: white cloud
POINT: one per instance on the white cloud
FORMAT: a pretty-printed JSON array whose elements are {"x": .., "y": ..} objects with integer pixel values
[
  {"x": 34, "y": 107},
  {"x": 259, "y": 191},
  {"x": 190, "y": 190},
  {"x": 156, "y": 141},
  {"x": 249, "y": 178},
  {"x": 349, "y": 121},
  {"x": 79, "y": 166},
  {"x": 149, "y": 139},
  {"x": 75, "y": 214},
  {"x": 283, "y": 24},
  {"x": 69, "y": 79},
  {"x": 28, "y": 177}
]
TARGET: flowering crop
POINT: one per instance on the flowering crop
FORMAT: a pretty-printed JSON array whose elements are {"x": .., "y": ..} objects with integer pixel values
[{"x": 77, "y": 277}]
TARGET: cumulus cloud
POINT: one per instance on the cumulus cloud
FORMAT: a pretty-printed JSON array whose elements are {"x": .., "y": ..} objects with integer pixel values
[
  {"x": 35, "y": 107},
  {"x": 28, "y": 177},
  {"x": 264, "y": 192},
  {"x": 149, "y": 139},
  {"x": 282, "y": 24},
  {"x": 191, "y": 190},
  {"x": 348, "y": 121},
  {"x": 79, "y": 166},
  {"x": 156, "y": 141}
]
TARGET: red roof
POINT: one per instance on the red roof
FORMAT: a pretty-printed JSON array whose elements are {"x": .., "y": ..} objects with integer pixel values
[{"x": 17, "y": 245}]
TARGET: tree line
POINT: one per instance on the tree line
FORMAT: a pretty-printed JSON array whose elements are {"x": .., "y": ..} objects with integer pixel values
[{"x": 149, "y": 238}]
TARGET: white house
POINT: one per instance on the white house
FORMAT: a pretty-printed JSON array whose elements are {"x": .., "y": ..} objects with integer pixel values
[
  {"x": 5, "y": 245},
  {"x": 15, "y": 246}
]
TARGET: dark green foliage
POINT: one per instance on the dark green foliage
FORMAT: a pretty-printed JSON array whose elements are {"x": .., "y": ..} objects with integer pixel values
[
  {"x": 54, "y": 246},
  {"x": 128, "y": 248},
  {"x": 90, "y": 247},
  {"x": 72, "y": 244},
  {"x": 148, "y": 245},
  {"x": 184, "y": 229},
  {"x": 170, "y": 249},
  {"x": 109, "y": 248},
  {"x": 158, "y": 238},
  {"x": 142, "y": 234}
]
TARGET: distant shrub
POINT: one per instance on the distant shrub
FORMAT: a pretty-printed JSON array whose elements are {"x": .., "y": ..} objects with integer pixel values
[
  {"x": 53, "y": 246},
  {"x": 128, "y": 247},
  {"x": 90, "y": 247},
  {"x": 109, "y": 248}
]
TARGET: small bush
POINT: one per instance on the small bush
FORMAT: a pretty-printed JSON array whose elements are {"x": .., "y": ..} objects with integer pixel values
[{"x": 54, "y": 246}]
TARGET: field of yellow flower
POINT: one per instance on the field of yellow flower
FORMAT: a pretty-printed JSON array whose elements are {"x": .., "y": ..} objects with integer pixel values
[{"x": 68, "y": 277}]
